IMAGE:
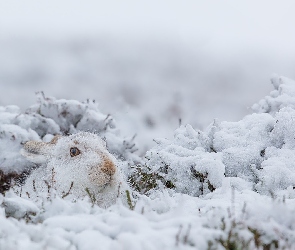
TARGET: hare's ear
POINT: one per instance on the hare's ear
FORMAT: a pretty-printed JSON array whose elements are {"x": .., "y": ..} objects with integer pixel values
[
  {"x": 55, "y": 139},
  {"x": 37, "y": 152}
]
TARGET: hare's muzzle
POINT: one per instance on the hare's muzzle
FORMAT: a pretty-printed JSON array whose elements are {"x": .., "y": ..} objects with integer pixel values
[
  {"x": 108, "y": 167},
  {"x": 102, "y": 174}
]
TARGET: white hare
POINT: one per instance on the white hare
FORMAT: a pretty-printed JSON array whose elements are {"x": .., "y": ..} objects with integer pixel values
[{"x": 78, "y": 165}]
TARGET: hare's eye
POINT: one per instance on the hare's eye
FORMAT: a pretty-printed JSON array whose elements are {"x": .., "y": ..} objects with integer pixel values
[{"x": 74, "y": 151}]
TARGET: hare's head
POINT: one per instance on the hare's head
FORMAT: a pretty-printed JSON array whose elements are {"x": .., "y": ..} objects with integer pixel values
[{"x": 82, "y": 158}]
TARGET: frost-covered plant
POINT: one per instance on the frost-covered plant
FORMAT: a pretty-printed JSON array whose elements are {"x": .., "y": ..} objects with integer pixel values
[
  {"x": 187, "y": 163},
  {"x": 78, "y": 165},
  {"x": 282, "y": 96}
]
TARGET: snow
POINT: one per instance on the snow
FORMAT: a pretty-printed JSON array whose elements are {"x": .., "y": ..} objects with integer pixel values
[
  {"x": 189, "y": 223},
  {"x": 229, "y": 185},
  {"x": 18, "y": 208}
]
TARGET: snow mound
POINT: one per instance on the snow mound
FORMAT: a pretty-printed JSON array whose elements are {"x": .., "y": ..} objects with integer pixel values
[
  {"x": 186, "y": 162},
  {"x": 259, "y": 149},
  {"x": 282, "y": 96}
]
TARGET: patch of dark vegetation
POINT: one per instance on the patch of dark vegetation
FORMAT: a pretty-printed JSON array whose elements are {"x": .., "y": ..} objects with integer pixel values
[{"x": 11, "y": 179}]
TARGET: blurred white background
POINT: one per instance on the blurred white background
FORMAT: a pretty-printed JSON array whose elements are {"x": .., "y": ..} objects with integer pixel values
[{"x": 148, "y": 63}]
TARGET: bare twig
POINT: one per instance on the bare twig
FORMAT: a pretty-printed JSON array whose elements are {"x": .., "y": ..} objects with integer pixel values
[
  {"x": 34, "y": 185},
  {"x": 66, "y": 194}
]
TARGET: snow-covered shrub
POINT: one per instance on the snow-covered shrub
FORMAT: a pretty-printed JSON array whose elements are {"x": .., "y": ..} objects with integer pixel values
[
  {"x": 14, "y": 131},
  {"x": 282, "y": 96},
  {"x": 277, "y": 173},
  {"x": 49, "y": 117},
  {"x": 187, "y": 163},
  {"x": 259, "y": 149},
  {"x": 242, "y": 144}
]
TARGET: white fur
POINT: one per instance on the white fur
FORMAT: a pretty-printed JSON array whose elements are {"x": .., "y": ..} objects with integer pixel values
[{"x": 93, "y": 172}]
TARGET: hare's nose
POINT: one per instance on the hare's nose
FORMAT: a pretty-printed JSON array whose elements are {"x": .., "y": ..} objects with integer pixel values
[{"x": 108, "y": 167}]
